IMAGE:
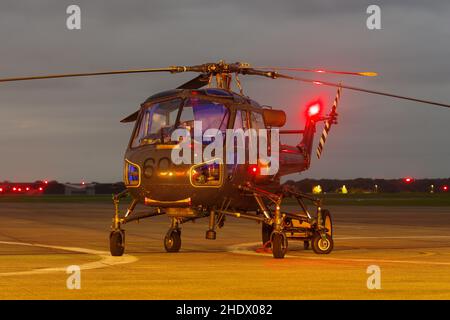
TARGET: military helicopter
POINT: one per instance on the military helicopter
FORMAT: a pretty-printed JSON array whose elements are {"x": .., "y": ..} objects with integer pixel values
[{"x": 216, "y": 189}]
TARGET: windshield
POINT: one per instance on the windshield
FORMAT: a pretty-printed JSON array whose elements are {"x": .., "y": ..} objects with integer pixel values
[
  {"x": 158, "y": 121},
  {"x": 212, "y": 115}
]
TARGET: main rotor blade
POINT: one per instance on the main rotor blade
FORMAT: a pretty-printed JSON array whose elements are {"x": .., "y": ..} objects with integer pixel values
[
  {"x": 363, "y": 74},
  {"x": 337, "y": 85},
  {"x": 196, "y": 83},
  {"x": 87, "y": 74}
]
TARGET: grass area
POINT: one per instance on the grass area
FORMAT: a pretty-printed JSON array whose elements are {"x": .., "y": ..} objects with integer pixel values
[
  {"x": 356, "y": 199},
  {"x": 386, "y": 199}
]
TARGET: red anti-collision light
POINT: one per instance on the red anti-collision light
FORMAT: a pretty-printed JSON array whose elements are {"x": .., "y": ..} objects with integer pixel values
[
  {"x": 314, "y": 109},
  {"x": 253, "y": 169}
]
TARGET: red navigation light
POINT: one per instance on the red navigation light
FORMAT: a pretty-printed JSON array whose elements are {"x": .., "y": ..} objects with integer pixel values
[
  {"x": 314, "y": 109},
  {"x": 445, "y": 188},
  {"x": 408, "y": 180}
]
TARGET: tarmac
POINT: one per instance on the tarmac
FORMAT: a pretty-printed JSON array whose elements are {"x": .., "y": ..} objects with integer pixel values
[{"x": 39, "y": 241}]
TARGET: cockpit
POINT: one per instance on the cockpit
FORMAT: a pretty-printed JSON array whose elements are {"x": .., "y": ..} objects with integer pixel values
[{"x": 157, "y": 121}]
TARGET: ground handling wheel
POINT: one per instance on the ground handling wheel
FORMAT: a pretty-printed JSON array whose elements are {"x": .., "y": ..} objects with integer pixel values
[
  {"x": 322, "y": 241},
  {"x": 172, "y": 240},
  {"x": 117, "y": 243},
  {"x": 279, "y": 245},
  {"x": 322, "y": 244}
]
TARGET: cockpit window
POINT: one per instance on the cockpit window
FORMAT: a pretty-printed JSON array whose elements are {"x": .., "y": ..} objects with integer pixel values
[
  {"x": 212, "y": 115},
  {"x": 157, "y": 123}
]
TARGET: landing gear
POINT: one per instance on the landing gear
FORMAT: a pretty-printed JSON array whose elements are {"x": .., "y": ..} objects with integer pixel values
[
  {"x": 172, "y": 240},
  {"x": 322, "y": 241},
  {"x": 117, "y": 243},
  {"x": 322, "y": 244},
  {"x": 279, "y": 245},
  {"x": 279, "y": 226}
]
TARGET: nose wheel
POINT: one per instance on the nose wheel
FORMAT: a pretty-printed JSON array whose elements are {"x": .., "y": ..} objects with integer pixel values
[
  {"x": 117, "y": 242},
  {"x": 172, "y": 240}
]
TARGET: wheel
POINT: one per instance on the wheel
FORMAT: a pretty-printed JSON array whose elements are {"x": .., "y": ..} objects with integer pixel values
[
  {"x": 279, "y": 245},
  {"x": 266, "y": 232},
  {"x": 172, "y": 241},
  {"x": 322, "y": 245},
  {"x": 117, "y": 243},
  {"x": 327, "y": 222},
  {"x": 306, "y": 245}
]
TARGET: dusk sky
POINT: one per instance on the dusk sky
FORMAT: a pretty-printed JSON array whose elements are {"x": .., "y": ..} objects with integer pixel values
[{"x": 69, "y": 130}]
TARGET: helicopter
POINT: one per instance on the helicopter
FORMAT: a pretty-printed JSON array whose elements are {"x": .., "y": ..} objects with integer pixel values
[{"x": 213, "y": 188}]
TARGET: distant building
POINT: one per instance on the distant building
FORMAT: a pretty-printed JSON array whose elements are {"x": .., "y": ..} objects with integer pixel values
[{"x": 79, "y": 189}]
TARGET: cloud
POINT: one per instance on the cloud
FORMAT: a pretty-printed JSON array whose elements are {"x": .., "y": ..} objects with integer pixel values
[{"x": 69, "y": 128}]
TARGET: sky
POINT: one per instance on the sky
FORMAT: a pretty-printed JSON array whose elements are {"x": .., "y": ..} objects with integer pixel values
[{"x": 69, "y": 130}]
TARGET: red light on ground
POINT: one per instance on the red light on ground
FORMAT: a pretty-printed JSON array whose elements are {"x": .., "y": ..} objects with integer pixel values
[
  {"x": 27, "y": 188},
  {"x": 445, "y": 188},
  {"x": 46, "y": 182},
  {"x": 20, "y": 189},
  {"x": 40, "y": 189},
  {"x": 14, "y": 189},
  {"x": 408, "y": 179},
  {"x": 1, "y": 189},
  {"x": 83, "y": 183},
  {"x": 318, "y": 83}
]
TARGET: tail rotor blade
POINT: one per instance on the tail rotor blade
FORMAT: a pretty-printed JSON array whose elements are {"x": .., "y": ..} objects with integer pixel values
[{"x": 328, "y": 124}]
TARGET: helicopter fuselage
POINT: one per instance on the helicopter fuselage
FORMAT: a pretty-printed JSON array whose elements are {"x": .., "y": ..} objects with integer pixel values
[{"x": 152, "y": 177}]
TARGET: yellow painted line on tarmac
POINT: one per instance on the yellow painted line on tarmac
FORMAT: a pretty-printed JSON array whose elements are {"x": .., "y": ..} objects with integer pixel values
[{"x": 106, "y": 260}]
